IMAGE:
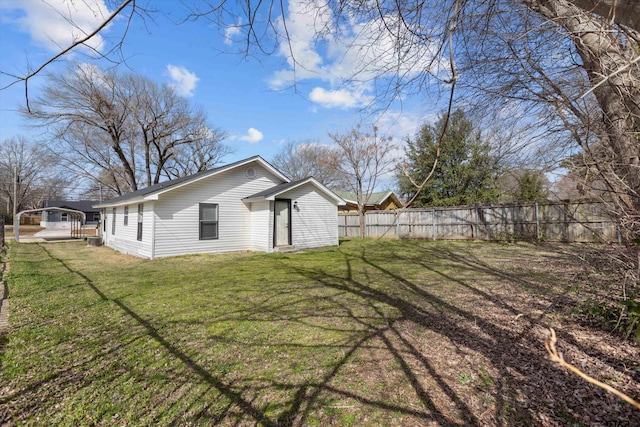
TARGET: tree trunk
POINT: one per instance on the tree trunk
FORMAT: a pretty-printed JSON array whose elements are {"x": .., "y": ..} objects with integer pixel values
[
  {"x": 363, "y": 231},
  {"x": 604, "y": 53},
  {"x": 625, "y": 12}
]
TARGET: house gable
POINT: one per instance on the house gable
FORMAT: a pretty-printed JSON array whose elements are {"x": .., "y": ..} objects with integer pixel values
[{"x": 153, "y": 192}]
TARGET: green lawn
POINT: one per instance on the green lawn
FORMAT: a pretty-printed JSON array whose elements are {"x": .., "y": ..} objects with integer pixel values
[{"x": 367, "y": 333}]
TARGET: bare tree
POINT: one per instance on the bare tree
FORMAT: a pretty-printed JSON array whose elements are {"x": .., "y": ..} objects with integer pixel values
[
  {"x": 364, "y": 159},
  {"x": 203, "y": 153},
  {"x": 304, "y": 159},
  {"x": 32, "y": 170},
  {"x": 577, "y": 73},
  {"x": 124, "y": 130}
]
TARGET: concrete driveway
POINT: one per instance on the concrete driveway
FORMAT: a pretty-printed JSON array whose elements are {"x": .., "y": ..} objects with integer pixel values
[{"x": 48, "y": 235}]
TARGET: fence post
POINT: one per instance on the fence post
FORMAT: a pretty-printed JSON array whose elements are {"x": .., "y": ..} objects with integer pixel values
[
  {"x": 1, "y": 232},
  {"x": 477, "y": 224},
  {"x": 433, "y": 225},
  {"x": 537, "y": 224},
  {"x": 398, "y": 216}
]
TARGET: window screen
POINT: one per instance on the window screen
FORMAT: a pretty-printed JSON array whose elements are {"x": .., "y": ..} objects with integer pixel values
[
  {"x": 140, "y": 216},
  {"x": 208, "y": 221}
]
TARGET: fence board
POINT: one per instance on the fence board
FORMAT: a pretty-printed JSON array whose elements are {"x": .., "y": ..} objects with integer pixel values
[{"x": 568, "y": 222}]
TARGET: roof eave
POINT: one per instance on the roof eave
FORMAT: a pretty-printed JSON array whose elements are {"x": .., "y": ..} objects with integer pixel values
[
  {"x": 258, "y": 199},
  {"x": 132, "y": 201}
]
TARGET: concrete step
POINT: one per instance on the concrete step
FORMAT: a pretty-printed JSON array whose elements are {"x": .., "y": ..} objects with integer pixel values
[{"x": 285, "y": 248}]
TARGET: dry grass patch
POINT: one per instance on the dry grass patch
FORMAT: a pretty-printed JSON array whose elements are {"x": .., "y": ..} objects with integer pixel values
[{"x": 369, "y": 333}]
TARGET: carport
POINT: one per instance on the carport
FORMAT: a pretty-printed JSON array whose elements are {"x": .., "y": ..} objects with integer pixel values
[{"x": 78, "y": 219}]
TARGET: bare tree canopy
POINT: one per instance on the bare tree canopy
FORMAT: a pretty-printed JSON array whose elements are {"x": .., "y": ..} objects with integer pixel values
[
  {"x": 123, "y": 130},
  {"x": 304, "y": 159},
  {"x": 574, "y": 72},
  {"x": 364, "y": 158},
  {"x": 34, "y": 172}
]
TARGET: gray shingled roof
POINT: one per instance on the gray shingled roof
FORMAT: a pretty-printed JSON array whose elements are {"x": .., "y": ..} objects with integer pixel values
[
  {"x": 277, "y": 189},
  {"x": 77, "y": 205}
]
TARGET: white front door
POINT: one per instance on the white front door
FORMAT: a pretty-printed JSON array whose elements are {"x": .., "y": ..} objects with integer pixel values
[{"x": 281, "y": 223}]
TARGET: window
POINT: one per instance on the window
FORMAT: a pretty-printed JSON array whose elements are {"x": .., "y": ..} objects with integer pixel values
[
  {"x": 96, "y": 216},
  {"x": 208, "y": 221},
  {"x": 140, "y": 216},
  {"x": 104, "y": 220},
  {"x": 113, "y": 222},
  {"x": 64, "y": 217},
  {"x": 126, "y": 215}
]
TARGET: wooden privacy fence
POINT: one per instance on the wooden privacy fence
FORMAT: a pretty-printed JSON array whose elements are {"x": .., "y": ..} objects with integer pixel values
[{"x": 566, "y": 222}]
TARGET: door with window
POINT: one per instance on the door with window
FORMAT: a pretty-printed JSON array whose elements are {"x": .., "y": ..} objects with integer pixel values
[{"x": 282, "y": 229}]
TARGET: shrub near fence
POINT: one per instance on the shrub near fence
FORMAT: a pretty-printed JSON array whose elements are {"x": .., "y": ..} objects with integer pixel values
[{"x": 567, "y": 222}]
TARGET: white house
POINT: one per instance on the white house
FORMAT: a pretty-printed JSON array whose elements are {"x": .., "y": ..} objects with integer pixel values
[
  {"x": 246, "y": 205},
  {"x": 57, "y": 219}
]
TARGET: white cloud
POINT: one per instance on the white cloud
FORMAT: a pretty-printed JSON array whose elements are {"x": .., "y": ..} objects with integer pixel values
[
  {"x": 341, "y": 98},
  {"x": 358, "y": 52},
  {"x": 231, "y": 31},
  {"x": 253, "y": 136},
  {"x": 184, "y": 81},
  {"x": 403, "y": 124},
  {"x": 56, "y": 24}
]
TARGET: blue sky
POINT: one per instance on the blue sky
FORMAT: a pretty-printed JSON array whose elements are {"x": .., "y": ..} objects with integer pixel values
[{"x": 249, "y": 97}]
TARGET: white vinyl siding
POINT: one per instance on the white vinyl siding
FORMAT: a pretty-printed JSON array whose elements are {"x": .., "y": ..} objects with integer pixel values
[
  {"x": 125, "y": 238},
  {"x": 177, "y": 213},
  {"x": 315, "y": 222},
  {"x": 260, "y": 221}
]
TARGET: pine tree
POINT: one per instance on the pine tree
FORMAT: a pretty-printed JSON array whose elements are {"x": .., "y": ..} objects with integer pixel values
[{"x": 466, "y": 170}]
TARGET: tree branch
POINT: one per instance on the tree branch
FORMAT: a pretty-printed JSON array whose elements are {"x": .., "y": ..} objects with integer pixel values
[{"x": 73, "y": 45}]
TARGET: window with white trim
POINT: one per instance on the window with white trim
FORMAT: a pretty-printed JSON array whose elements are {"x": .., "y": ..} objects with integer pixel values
[
  {"x": 140, "y": 216},
  {"x": 113, "y": 222},
  {"x": 208, "y": 221},
  {"x": 126, "y": 215}
]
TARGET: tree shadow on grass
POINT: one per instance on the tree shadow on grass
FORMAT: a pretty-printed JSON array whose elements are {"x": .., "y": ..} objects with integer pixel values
[
  {"x": 304, "y": 394},
  {"x": 225, "y": 389},
  {"x": 527, "y": 388},
  {"x": 393, "y": 318},
  {"x": 552, "y": 291}
]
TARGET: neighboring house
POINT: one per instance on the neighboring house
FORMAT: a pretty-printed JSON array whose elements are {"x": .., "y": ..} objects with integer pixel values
[
  {"x": 246, "y": 205},
  {"x": 57, "y": 219},
  {"x": 382, "y": 201}
]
